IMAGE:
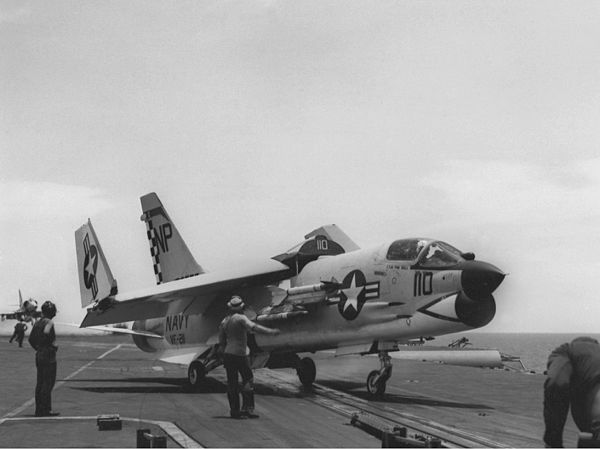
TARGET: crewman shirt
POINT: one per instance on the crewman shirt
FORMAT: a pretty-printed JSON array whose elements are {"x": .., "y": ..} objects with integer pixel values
[
  {"x": 232, "y": 333},
  {"x": 42, "y": 342},
  {"x": 576, "y": 364}
]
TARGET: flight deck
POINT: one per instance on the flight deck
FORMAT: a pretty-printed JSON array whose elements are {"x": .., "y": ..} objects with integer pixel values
[{"x": 108, "y": 375}]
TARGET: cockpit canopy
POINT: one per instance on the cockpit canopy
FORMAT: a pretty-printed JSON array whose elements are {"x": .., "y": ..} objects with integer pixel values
[{"x": 426, "y": 253}]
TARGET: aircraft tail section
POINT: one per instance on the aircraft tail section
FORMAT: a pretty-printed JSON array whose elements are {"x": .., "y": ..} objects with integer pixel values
[
  {"x": 96, "y": 281},
  {"x": 20, "y": 300},
  {"x": 170, "y": 255}
]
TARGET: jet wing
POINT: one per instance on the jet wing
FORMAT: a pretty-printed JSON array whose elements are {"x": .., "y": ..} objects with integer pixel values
[{"x": 195, "y": 293}]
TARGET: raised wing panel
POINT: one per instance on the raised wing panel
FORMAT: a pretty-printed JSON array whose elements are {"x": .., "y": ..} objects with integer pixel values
[{"x": 333, "y": 232}]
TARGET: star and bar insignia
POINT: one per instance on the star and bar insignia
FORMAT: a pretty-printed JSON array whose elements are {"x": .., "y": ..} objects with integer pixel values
[
  {"x": 354, "y": 292},
  {"x": 90, "y": 265}
]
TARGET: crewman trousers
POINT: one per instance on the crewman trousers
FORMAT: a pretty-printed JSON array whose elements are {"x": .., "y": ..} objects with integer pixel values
[
  {"x": 46, "y": 378},
  {"x": 584, "y": 404},
  {"x": 234, "y": 365}
]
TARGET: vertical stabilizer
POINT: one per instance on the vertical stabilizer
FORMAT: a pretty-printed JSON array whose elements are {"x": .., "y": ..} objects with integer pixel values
[
  {"x": 20, "y": 300},
  {"x": 170, "y": 255},
  {"x": 96, "y": 281}
]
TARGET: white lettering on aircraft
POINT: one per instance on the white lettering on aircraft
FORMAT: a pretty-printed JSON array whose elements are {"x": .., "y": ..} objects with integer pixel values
[{"x": 322, "y": 245}]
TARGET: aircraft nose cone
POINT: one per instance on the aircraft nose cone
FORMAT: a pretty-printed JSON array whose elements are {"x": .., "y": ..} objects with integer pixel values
[{"x": 480, "y": 279}]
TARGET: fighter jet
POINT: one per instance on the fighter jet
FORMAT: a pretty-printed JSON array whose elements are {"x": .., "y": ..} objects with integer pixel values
[
  {"x": 325, "y": 293},
  {"x": 26, "y": 310}
]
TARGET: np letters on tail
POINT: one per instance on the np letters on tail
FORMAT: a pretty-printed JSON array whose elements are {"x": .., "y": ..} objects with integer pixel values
[{"x": 159, "y": 242}]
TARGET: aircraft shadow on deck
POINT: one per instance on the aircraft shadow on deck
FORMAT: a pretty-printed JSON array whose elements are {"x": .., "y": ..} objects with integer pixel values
[
  {"x": 211, "y": 385},
  {"x": 179, "y": 385},
  {"x": 170, "y": 385},
  {"x": 349, "y": 387}
]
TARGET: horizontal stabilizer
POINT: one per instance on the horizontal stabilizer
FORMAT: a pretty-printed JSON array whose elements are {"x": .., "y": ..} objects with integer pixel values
[
  {"x": 116, "y": 330},
  {"x": 120, "y": 312},
  {"x": 119, "y": 330}
]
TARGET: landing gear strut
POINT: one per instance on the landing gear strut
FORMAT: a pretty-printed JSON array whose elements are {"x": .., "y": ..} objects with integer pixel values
[
  {"x": 206, "y": 362},
  {"x": 305, "y": 367},
  {"x": 377, "y": 379}
]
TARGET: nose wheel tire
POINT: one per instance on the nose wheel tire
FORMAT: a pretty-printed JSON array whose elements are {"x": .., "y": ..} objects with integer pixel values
[
  {"x": 196, "y": 373},
  {"x": 307, "y": 371},
  {"x": 375, "y": 386}
]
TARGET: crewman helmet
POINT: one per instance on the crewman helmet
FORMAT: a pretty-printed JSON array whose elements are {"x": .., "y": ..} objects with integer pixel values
[
  {"x": 236, "y": 304},
  {"x": 49, "y": 309}
]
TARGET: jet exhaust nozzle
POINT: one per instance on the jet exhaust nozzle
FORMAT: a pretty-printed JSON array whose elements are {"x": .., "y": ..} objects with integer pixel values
[{"x": 480, "y": 279}]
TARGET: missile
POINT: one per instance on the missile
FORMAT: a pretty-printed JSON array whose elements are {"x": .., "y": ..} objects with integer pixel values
[
  {"x": 280, "y": 316},
  {"x": 321, "y": 286},
  {"x": 310, "y": 294}
]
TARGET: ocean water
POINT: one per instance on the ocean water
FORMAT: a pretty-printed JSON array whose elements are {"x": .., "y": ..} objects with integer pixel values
[{"x": 532, "y": 348}]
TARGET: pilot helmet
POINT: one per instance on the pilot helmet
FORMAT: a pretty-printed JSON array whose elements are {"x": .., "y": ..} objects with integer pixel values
[
  {"x": 236, "y": 304},
  {"x": 49, "y": 309}
]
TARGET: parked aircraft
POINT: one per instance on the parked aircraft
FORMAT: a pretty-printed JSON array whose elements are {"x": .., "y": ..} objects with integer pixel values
[
  {"x": 324, "y": 293},
  {"x": 26, "y": 310}
]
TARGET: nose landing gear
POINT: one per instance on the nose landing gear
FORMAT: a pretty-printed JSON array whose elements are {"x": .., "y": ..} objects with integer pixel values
[{"x": 377, "y": 379}]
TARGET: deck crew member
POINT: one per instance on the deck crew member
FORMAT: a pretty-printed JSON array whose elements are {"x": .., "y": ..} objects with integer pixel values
[
  {"x": 43, "y": 340},
  {"x": 573, "y": 378},
  {"x": 19, "y": 333},
  {"x": 233, "y": 346}
]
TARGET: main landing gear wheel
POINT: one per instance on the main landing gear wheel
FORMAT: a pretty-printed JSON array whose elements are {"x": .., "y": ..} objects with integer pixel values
[
  {"x": 196, "y": 373},
  {"x": 307, "y": 371},
  {"x": 377, "y": 379},
  {"x": 375, "y": 386}
]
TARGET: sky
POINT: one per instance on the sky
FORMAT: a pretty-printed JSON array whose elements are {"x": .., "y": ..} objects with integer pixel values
[{"x": 256, "y": 122}]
